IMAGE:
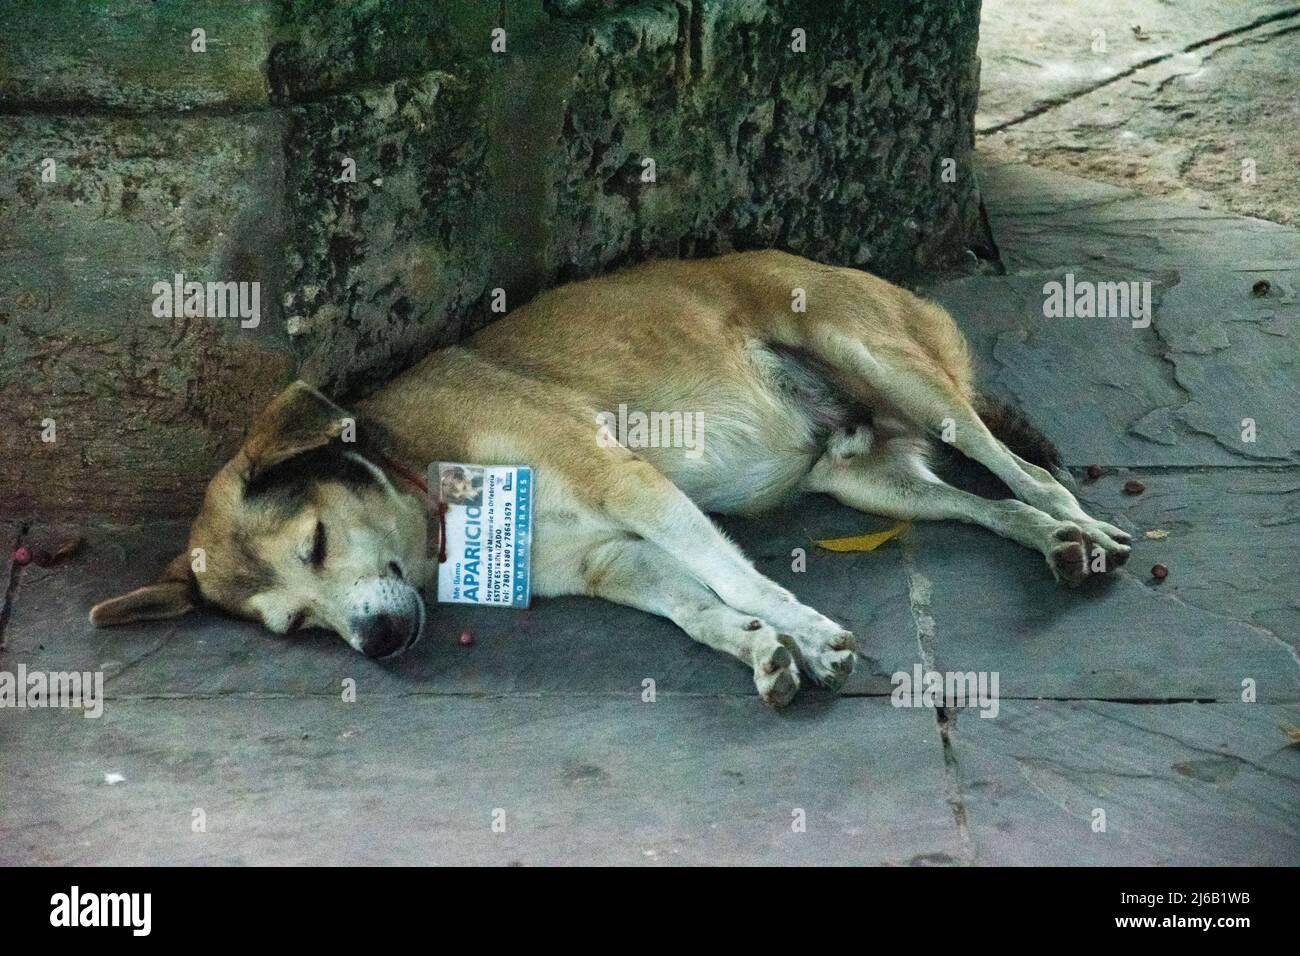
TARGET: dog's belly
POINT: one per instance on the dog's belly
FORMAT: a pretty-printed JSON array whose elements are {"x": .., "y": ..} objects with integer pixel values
[
  {"x": 757, "y": 442},
  {"x": 738, "y": 473}
]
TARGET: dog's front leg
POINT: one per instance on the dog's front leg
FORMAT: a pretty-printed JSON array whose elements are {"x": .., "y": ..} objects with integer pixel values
[
  {"x": 640, "y": 574},
  {"x": 639, "y": 498}
]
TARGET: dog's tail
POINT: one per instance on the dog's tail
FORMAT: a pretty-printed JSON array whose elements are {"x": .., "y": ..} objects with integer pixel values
[{"x": 1011, "y": 428}]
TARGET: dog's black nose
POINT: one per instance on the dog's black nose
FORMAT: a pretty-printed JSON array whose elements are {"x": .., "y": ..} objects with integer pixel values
[{"x": 384, "y": 635}]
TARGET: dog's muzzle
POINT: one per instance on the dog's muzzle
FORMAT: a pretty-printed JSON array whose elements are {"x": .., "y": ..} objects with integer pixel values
[{"x": 385, "y": 617}]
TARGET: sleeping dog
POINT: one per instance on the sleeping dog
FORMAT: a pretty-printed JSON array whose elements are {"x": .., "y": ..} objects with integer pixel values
[{"x": 803, "y": 377}]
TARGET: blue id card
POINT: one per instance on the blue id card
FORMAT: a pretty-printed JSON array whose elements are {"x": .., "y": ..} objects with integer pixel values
[{"x": 488, "y": 532}]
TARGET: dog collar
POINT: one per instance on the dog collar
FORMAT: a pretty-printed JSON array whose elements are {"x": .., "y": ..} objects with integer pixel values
[
  {"x": 436, "y": 508},
  {"x": 403, "y": 472}
]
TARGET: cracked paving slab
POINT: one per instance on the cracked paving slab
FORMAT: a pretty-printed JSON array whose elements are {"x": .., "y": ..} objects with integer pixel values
[
  {"x": 1230, "y": 540},
  {"x": 1031, "y": 60},
  {"x": 1220, "y": 349},
  {"x": 565, "y": 645},
  {"x": 597, "y": 780},
  {"x": 1179, "y": 784},
  {"x": 1236, "y": 358},
  {"x": 1177, "y": 392},
  {"x": 1212, "y": 124},
  {"x": 1044, "y": 219},
  {"x": 996, "y": 608}
]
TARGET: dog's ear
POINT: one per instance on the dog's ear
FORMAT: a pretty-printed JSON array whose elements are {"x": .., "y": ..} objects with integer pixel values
[
  {"x": 298, "y": 420},
  {"x": 172, "y": 595}
]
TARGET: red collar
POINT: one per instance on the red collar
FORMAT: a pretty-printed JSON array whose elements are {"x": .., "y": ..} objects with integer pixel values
[
  {"x": 404, "y": 472},
  {"x": 440, "y": 509}
]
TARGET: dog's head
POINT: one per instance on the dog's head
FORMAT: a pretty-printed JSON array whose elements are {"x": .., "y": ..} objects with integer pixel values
[{"x": 300, "y": 529}]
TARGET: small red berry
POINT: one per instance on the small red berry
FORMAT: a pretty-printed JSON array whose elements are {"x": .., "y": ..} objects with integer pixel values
[
  {"x": 466, "y": 638},
  {"x": 1134, "y": 487},
  {"x": 22, "y": 555},
  {"x": 1159, "y": 572},
  {"x": 1095, "y": 472}
]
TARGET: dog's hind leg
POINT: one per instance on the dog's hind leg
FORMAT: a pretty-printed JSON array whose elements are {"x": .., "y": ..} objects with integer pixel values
[
  {"x": 895, "y": 483},
  {"x": 918, "y": 389},
  {"x": 635, "y": 572}
]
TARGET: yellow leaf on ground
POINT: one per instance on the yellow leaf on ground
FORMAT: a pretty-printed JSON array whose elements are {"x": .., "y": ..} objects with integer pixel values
[
  {"x": 864, "y": 542},
  {"x": 1157, "y": 534}
]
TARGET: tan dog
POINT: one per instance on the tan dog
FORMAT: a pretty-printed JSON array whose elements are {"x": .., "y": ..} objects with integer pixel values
[{"x": 842, "y": 396}]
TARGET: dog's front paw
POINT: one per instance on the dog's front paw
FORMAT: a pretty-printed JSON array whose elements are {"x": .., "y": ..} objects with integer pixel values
[{"x": 775, "y": 675}]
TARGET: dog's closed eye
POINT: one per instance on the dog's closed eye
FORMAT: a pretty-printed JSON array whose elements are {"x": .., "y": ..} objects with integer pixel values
[{"x": 317, "y": 556}]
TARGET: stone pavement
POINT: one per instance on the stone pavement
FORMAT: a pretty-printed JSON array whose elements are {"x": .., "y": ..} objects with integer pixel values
[
  {"x": 1196, "y": 100},
  {"x": 1123, "y": 698}
]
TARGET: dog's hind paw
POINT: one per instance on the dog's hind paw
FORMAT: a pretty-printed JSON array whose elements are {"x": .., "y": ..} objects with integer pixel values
[
  {"x": 1068, "y": 558},
  {"x": 1076, "y": 553},
  {"x": 1115, "y": 542}
]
